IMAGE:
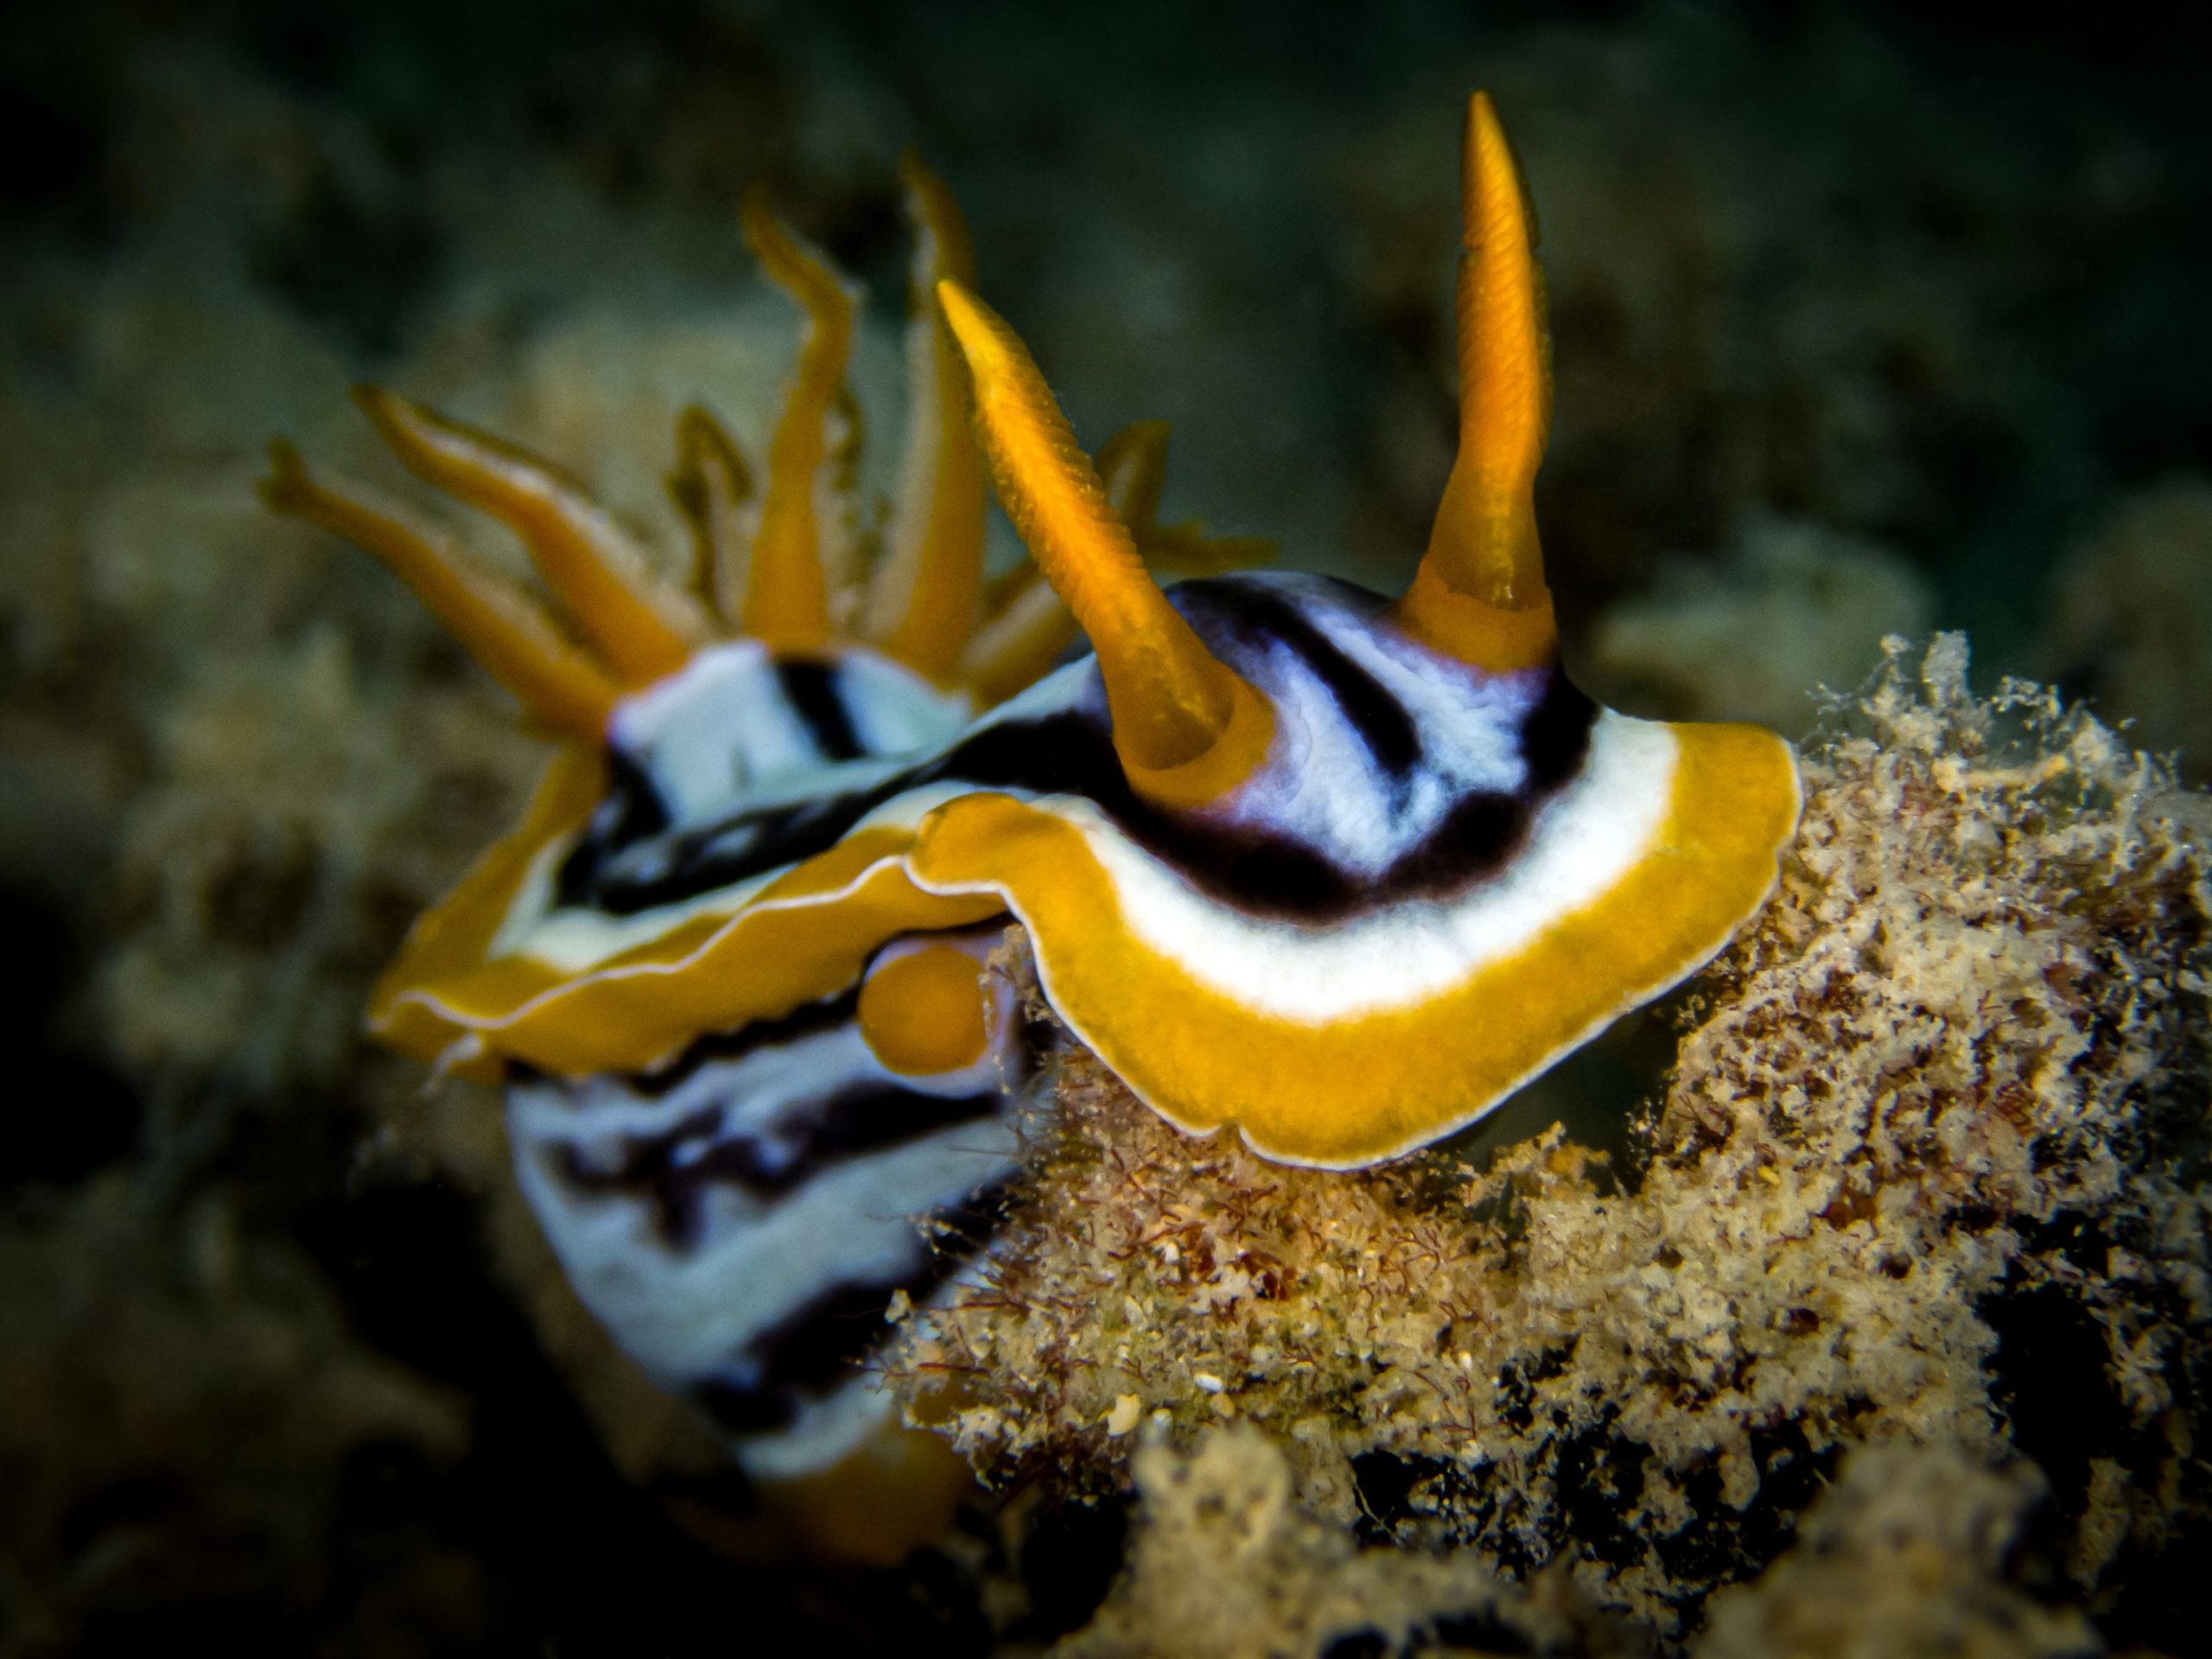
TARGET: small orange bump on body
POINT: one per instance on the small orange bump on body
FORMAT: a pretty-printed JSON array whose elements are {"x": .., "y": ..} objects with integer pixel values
[
  {"x": 926, "y": 1011},
  {"x": 1189, "y": 731}
]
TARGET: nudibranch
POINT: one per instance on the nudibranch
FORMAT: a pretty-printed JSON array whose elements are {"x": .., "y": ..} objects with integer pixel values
[{"x": 1338, "y": 871}]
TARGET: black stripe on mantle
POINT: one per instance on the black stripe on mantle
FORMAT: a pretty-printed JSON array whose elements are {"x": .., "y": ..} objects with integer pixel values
[
  {"x": 818, "y": 1346},
  {"x": 1071, "y": 752},
  {"x": 671, "y": 1170}
]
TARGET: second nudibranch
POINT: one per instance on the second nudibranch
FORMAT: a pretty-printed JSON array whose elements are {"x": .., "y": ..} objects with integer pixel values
[{"x": 1337, "y": 871}]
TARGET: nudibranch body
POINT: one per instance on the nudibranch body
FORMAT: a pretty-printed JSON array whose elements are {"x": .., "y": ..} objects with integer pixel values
[{"x": 1338, "y": 871}]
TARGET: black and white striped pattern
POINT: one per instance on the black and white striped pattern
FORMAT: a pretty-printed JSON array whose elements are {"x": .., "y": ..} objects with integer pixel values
[
  {"x": 737, "y": 724},
  {"x": 1397, "y": 775},
  {"x": 740, "y": 1219}
]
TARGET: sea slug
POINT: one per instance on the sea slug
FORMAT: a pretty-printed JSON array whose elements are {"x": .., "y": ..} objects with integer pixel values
[{"x": 1340, "y": 871}]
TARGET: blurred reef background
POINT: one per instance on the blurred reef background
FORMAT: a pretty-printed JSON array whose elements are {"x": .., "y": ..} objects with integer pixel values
[{"x": 1870, "y": 321}]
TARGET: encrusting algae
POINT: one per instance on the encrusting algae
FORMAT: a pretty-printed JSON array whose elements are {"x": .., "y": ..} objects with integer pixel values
[
  {"x": 1226, "y": 1563},
  {"x": 1910, "y": 1552},
  {"x": 1924, "y": 1166}
]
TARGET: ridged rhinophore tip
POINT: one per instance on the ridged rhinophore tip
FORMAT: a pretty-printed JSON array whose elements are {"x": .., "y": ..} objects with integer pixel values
[
  {"x": 1187, "y": 729},
  {"x": 1480, "y": 594}
]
